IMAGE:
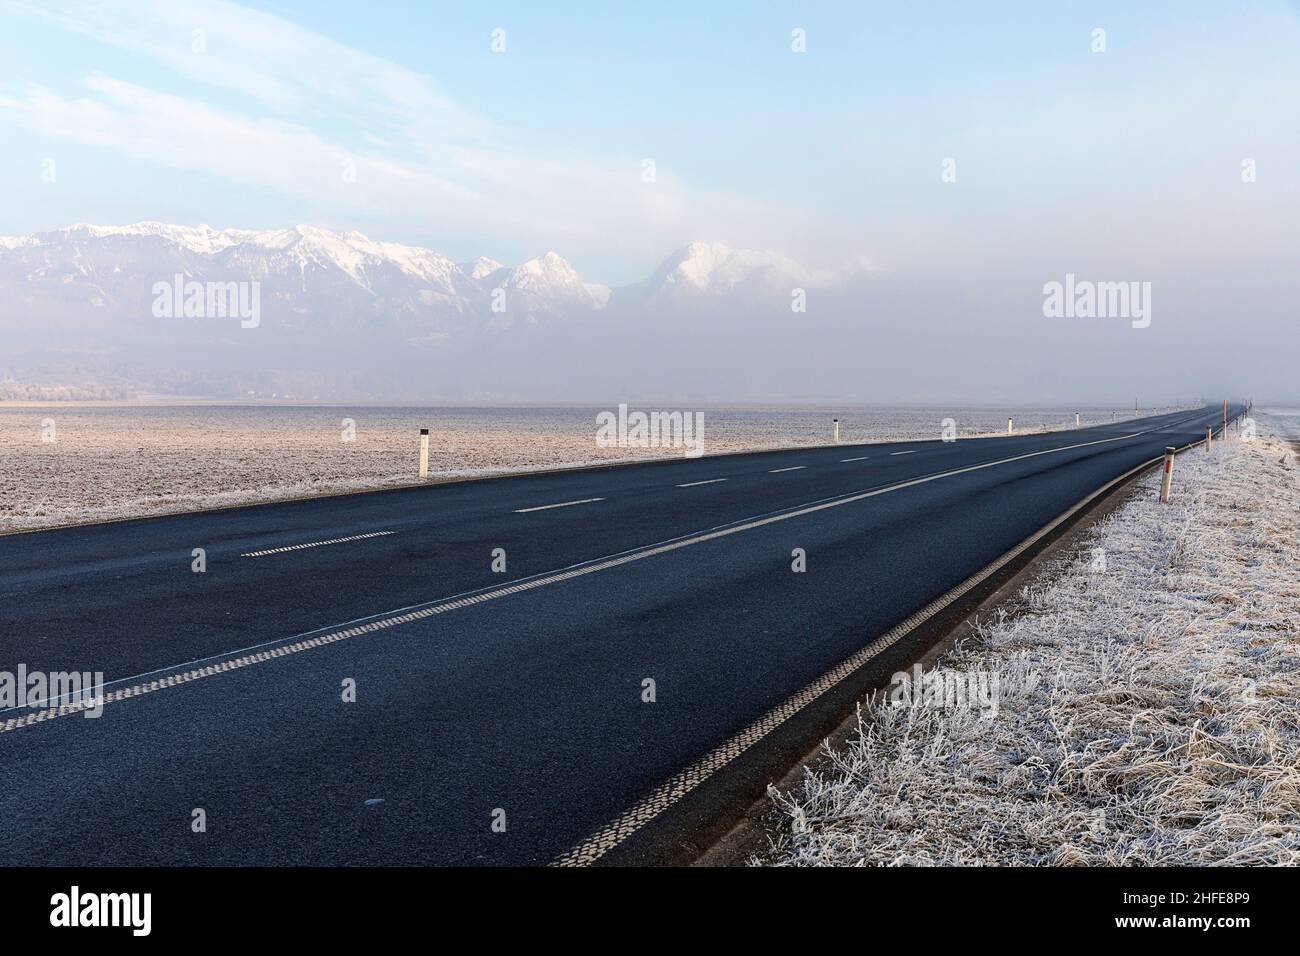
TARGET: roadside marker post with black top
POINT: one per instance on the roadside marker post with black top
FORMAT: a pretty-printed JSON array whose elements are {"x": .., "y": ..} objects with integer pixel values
[{"x": 1169, "y": 475}]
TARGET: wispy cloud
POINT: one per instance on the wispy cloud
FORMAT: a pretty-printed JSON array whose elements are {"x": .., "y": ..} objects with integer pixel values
[
  {"x": 277, "y": 63},
  {"x": 305, "y": 115}
]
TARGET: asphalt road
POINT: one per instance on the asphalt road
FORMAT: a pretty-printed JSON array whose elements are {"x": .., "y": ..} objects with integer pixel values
[{"x": 499, "y": 717}]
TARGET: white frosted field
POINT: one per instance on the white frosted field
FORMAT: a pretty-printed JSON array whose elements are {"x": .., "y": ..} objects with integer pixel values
[
  {"x": 1148, "y": 706},
  {"x": 115, "y": 461}
]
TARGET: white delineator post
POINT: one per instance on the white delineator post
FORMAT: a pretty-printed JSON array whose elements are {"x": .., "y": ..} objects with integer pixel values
[
  {"x": 1209, "y": 437},
  {"x": 424, "y": 453},
  {"x": 1008, "y": 426},
  {"x": 1076, "y": 419},
  {"x": 1168, "y": 479},
  {"x": 835, "y": 430}
]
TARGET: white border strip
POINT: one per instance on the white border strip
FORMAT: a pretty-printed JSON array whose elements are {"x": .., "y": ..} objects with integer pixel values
[{"x": 315, "y": 544}]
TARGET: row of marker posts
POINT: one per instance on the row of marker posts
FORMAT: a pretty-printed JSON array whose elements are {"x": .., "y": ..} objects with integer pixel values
[
  {"x": 1167, "y": 481},
  {"x": 835, "y": 438},
  {"x": 424, "y": 445},
  {"x": 1011, "y": 428}
]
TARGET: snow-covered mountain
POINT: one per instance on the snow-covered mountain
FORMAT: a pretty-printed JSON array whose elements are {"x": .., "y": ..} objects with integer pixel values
[
  {"x": 712, "y": 269},
  {"x": 547, "y": 284},
  {"x": 83, "y": 297},
  {"x": 306, "y": 259},
  {"x": 301, "y": 263},
  {"x": 480, "y": 267}
]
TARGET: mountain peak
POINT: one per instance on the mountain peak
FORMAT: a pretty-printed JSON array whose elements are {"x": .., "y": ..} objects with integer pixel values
[
  {"x": 480, "y": 268},
  {"x": 703, "y": 248},
  {"x": 713, "y": 268},
  {"x": 550, "y": 264},
  {"x": 548, "y": 283}
]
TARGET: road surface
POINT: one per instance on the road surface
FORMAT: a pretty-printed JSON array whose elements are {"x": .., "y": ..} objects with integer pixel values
[{"x": 500, "y": 717}]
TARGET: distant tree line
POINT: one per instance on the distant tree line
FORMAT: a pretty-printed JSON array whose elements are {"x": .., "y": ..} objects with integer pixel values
[{"x": 14, "y": 391}]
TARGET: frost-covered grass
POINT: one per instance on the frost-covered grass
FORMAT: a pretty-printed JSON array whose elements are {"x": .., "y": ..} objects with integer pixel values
[{"x": 1149, "y": 712}]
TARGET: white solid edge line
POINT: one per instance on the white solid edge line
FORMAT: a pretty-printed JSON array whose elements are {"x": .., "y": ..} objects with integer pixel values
[
  {"x": 562, "y": 504},
  {"x": 777, "y": 471},
  {"x": 707, "y": 481},
  {"x": 296, "y": 643}
]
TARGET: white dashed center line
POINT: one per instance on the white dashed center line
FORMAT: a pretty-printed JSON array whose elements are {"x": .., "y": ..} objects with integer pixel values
[
  {"x": 315, "y": 544},
  {"x": 709, "y": 481},
  {"x": 863, "y": 458},
  {"x": 892, "y": 453},
  {"x": 174, "y": 675},
  {"x": 777, "y": 471},
  {"x": 562, "y": 504}
]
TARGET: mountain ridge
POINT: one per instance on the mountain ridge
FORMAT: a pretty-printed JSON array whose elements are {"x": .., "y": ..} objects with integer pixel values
[
  {"x": 341, "y": 313},
  {"x": 547, "y": 281}
]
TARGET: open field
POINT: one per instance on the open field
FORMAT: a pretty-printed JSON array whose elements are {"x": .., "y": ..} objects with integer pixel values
[{"x": 114, "y": 461}]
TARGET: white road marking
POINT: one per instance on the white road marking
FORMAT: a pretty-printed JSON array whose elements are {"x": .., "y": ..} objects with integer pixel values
[
  {"x": 892, "y": 453},
  {"x": 777, "y": 471},
  {"x": 562, "y": 504},
  {"x": 283, "y": 647},
  {"x": 710, "y": 481},
  {"x": 315, "y": 544},
  {"x": 863, "y": 458}
]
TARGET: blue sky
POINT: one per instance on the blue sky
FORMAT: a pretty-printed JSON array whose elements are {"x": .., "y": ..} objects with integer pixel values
[{"x": 831, "y": 155}]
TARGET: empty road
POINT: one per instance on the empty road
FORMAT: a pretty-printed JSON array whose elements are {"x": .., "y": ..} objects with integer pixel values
[{"x": 493, "y": 672}]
